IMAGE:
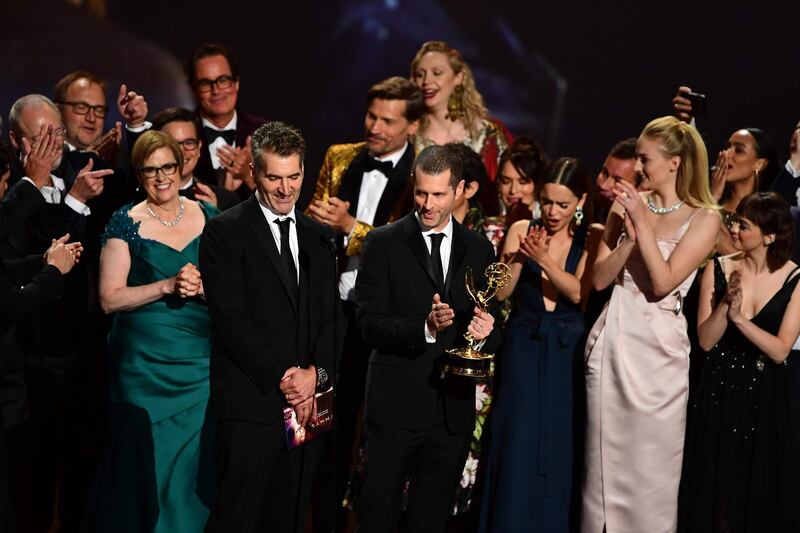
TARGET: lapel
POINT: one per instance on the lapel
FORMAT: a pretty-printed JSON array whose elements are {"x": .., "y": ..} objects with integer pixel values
[
  {"x": 305, "y": 245},
  {"x": 263, "y": 233},
  {"x": 351, "y": 181},
  {"x": 395, "y": 187},
  {"x": 458, "y": 250},
  {"x": 419, "y": 249}
]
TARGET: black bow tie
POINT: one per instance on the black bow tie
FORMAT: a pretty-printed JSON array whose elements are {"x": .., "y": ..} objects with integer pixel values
[
  {"x": 385, "y": 167},
  {"x": 212, "y": 134}
]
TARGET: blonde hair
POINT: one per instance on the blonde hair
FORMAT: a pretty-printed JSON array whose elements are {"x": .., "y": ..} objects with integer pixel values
[
  {"x": 472, "y": 101},
  {"x": 676, "y": 138}
]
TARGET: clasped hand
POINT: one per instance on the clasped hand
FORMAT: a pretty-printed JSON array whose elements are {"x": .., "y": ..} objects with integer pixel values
[
  {"x": 298, "y": 386},
  {"x": 188, "y": 282}
]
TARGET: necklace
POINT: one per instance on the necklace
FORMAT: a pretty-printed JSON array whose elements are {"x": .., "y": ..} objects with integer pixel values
[
  {"x": 166, "y": 223},
  {"x": 661, "y": 210}
]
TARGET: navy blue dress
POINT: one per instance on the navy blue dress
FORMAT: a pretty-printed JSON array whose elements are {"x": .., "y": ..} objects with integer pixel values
[{"x": 530, "y": 474}]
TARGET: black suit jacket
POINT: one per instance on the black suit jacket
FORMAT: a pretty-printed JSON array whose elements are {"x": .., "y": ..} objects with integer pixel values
[
  {"x": 26, "y": 286},
  {"x": 394, "y": 292},
  {"x": 786, "y": 185},
  {"x": 396, "y": 188},
  {"x": 245, "y": 126},
  {"x": 259, "y": 329}
]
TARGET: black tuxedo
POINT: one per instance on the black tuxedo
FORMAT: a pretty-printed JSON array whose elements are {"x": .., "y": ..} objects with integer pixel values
[
  {"x": 396, "y": 187},
  {"x": 786, "y": 185},
  {"x": 261, "y": 330},
  {"x": 225, "y": 198},
  {"x": 25, "y": 287},
  {"x": 64, "y": 349},
  {"x": 414, "y": 418},
  {"x": 245, "y": 126}
]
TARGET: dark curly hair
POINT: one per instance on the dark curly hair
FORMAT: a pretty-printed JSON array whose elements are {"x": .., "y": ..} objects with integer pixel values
[
  {"x": 279, "y": 138},
  {"x": 770, "y": 212}
]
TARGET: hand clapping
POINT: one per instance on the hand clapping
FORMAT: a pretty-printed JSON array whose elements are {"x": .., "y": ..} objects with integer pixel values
[
  {"x": 441, "y": 315},
  {"x": 733, "y": 297},
  {"x": 333, "y": 213},
  {"x": 535, "y": 245}
]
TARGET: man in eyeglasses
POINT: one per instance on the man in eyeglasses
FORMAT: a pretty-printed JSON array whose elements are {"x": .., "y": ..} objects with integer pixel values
[
  {"x": 184, "y": 126},
  {"x": 81, "y": 98},
  {"x": 213, "y": 74}
]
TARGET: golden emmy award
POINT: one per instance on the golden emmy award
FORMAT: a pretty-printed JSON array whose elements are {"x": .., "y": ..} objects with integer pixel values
[{"x": 469, "y": 361}]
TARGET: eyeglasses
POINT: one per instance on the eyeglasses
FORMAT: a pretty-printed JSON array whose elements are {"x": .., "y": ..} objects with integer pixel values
[
  {"x": 167, "y": 169},
  {"x": 223, "y": 82},
  {"x": 58, "y": 132},
  {"x": 188, "y": 144},
  {"x": 83, "y": 108}
]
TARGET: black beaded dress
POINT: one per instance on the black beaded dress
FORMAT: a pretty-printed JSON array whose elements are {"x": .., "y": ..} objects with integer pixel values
[{"x": 742, "y": 454}]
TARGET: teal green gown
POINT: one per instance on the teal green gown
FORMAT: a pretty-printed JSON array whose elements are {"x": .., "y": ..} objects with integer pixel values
[{"x": 157, "y": 474}]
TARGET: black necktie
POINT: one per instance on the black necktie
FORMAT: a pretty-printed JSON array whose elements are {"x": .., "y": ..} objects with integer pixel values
[
  {"x": 436, "y": 258},
  {"x": 385, "y": 167},
  {"x": 212, "y": 134},
  {"x": 286, "y": 255}
]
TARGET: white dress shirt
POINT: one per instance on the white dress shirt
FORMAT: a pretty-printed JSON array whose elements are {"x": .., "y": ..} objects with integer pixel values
[
  {"x": 219, "y": 141},
  {"x": 271, "y": 217},
  {"x": 373, "y": 183},
  {"x": 53, "y": 193},
  {"x": 444, "y": 253}
]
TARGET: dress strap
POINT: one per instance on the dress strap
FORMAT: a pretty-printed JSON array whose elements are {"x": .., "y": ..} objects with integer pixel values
[
  {"x": 791, "y": 275},
  {"x": 688, "y": 221}
]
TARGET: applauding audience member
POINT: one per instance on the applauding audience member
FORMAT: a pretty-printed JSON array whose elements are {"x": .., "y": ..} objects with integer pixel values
[
  {"x": 740, "y": 465},
  {"x": 213, "y": 74}
]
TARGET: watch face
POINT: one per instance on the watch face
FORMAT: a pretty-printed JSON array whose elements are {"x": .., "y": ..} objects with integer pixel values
[{"x": 322, "y": 375}]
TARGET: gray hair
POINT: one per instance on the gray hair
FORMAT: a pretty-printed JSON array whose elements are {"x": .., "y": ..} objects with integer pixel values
[
  {"x": 278, "y": 137},
  {"x": 29, "y": 100}
]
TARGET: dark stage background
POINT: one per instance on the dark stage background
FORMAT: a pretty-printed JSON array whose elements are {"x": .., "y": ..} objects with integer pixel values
[{"x": 578, "y": 77}]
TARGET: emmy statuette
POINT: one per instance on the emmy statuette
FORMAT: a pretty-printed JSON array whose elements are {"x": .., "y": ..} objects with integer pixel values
[{"x": 468, "y": 361}]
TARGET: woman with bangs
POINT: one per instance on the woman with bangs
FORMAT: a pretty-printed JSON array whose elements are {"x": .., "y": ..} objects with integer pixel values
[
  {"x": 637, "y": 353},
  {"x": 740, "y": 467}
]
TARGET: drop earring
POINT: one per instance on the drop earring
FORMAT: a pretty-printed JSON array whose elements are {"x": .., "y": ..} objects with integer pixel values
[{"x": 578, "y": 216}]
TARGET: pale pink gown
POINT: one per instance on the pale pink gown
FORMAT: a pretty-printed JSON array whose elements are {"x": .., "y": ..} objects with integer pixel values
[{"x": 637, "y": 385}]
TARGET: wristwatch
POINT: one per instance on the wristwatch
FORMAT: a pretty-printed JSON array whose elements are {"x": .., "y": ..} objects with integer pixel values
[{"x": 322, "y": 379}]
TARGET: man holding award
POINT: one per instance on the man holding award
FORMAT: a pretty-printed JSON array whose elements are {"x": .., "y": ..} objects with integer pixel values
[{"x": 412, "y": 305}]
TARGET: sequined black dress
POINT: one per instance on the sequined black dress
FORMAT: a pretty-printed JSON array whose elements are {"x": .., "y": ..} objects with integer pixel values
[{"x": 741, "y": 467}]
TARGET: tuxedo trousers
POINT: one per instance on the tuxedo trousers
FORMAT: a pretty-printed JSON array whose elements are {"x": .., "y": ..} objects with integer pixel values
[
  {"x": 261, "y": 486},
  {"x": 431, "y": 460}
]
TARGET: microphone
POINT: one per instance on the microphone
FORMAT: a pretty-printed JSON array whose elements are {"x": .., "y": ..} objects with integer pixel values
[{"x": 328, "y": 240}]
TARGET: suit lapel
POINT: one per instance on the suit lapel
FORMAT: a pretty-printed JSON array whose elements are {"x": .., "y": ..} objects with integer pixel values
[
  {"x": 458, "y": 251},
  {"x": 305, "y": 245},
  {"x": 263, "y": 233},
  {"x": 414, "y": 240},
  {"x": 395, "y": 187}
]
